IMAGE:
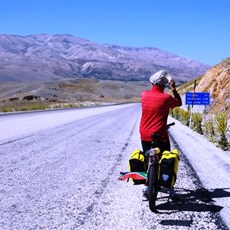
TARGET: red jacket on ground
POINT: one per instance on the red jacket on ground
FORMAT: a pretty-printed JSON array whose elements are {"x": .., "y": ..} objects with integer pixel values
[{"x": 155, "y": 110}]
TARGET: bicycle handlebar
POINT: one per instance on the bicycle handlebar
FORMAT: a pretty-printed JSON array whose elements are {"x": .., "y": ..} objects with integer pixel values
[{"x": 170, "y": 124}]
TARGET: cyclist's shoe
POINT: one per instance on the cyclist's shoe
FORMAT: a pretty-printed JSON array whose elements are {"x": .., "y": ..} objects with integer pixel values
[
  {"x": 145, "y": 193},
  {"x": 175, "y": 197}
]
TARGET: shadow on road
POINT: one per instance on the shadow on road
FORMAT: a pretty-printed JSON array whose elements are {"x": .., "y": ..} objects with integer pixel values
[
  {"x": 200, "y": 200},
  {"x": 184, "y": 223}
]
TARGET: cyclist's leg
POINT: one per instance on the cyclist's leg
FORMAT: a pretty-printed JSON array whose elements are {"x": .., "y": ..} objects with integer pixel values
[
  {"x": 165, "y": 146},
  {"x": 146, "y": 145}
]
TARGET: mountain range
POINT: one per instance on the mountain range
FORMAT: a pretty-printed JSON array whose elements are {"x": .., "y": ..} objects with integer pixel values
[{"x": 45, "y": 57}]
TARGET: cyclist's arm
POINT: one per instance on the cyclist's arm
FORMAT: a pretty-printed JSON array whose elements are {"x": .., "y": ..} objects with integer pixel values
[
  {"x": 175, "y": 93},
  {"x": 177, "y": 96}
]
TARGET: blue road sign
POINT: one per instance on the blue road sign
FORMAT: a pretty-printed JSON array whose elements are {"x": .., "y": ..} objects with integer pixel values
[{"x": 197, "y": 98}]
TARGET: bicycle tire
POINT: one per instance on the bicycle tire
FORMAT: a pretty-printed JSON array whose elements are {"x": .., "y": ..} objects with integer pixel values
[{"x": 152, "y": 187}]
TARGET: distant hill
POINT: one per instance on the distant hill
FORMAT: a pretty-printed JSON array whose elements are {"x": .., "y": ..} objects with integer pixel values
[
  {"x": 45, "y": 57},
  {"x": 60, "y": 69}
]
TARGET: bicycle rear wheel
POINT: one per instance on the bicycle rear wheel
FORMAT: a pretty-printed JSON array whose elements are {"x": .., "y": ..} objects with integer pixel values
[{"x": 152, "y": 187}]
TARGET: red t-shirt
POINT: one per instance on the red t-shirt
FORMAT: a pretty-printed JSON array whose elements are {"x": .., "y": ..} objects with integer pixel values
[{"x": 155, "y": 110}]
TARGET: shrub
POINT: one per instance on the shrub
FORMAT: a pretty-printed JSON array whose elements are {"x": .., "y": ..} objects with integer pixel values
[
  {"x": 7, "y": 109},
  {"x": 197, "y": 122},
  {"x": 209, "y": 129},
  {"x": 222, "y": 128},
  {"x": 185, "y": 115},
  {"x": 176, "y": 112}
]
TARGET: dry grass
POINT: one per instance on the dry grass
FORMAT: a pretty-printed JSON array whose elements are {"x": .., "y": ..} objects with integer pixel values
[{"x": 69, "y": 93}]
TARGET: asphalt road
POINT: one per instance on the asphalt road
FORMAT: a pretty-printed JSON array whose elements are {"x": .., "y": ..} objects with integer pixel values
[{"x": 59, "y": 170}]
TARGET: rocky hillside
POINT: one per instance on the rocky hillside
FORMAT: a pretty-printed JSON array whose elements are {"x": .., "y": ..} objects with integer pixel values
[
  {"x": 217, "y": 81},
  {"x": 54, "y": 57}
]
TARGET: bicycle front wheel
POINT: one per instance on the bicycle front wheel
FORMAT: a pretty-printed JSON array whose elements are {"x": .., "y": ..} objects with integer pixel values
[{"x": 152, "y": 187}]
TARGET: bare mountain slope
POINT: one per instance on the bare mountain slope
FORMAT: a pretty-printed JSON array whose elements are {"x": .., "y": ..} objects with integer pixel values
[
  {"x": 217, "y": 81},
  {"x": 52, "y": 57}
]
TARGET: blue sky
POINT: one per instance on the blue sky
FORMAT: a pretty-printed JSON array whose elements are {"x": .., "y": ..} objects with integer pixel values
[{"x": 196, "y": 29}]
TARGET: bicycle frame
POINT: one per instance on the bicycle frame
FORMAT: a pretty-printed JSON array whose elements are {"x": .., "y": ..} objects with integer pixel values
[
  {"x": 153, "y": 155},
  {"x": 152, "y": 176}
]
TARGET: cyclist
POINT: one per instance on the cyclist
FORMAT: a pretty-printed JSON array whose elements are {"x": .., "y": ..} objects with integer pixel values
[{"x": 155, "y": 110}]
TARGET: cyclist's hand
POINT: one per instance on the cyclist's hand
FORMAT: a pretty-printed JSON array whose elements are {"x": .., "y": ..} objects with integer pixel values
[{"x": 172, "y": 85}]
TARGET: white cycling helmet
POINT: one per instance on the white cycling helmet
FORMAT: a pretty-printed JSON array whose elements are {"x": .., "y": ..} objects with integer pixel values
[{"x": 160, "y": 78}]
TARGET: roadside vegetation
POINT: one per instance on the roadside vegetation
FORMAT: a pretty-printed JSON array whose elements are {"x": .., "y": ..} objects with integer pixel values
[
  {"x": 32, "y": 106},
  {"x": 212, "y": 124},
  {"x": 214, "y": 128},
  {"x": 23, "y": 107}
]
